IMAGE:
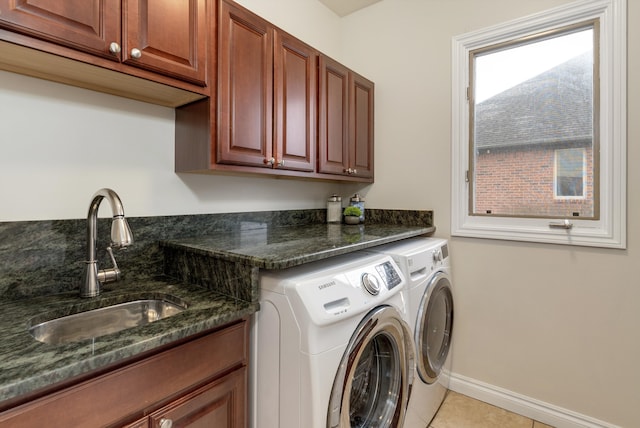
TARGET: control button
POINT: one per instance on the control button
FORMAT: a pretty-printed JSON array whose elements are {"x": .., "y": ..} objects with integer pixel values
[{"x": 371, "y": 284}]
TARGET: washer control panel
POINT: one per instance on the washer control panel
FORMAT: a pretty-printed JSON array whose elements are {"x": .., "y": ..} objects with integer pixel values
[
  {"x": 333, "y": 291},
  {"x": 389, "y": 274}
]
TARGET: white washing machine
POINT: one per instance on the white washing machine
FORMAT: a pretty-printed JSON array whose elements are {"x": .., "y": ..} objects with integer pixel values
[
  {"x": 331, "y": 346},
  {"x": 425, "y": 262}
]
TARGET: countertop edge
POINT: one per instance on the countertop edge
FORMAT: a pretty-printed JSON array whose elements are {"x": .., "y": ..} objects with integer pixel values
[
  {"x": 235, "y": 256},
  {"x": 89, "y": 365}
]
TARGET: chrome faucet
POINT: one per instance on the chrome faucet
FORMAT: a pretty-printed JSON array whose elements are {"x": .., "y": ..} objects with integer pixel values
[{"x": 121, "y": 236}]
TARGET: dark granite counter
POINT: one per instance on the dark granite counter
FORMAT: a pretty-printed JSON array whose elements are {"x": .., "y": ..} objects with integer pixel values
[
  {"x": 210, "y": 261},
  {"x": 260, "y": 246},
  {"x": 27, "y": 365}
]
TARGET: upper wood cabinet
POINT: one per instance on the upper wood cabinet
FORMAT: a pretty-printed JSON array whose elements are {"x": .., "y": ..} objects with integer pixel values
[
  {"x": 281, "y": 108},
  {"x": 87, "y": 25},
  {"x": 345, "y": 143},
  {"x": 163, "y": 36},
  {"x": 166, "y": 36},
  {"x": 294, "y": 91},
  {"x": 267, "y": 94}
]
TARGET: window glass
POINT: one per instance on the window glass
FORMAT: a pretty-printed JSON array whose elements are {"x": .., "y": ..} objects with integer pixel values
[
  {"x": 570, "y": 177},
  {"x": 533, "y": 119}
]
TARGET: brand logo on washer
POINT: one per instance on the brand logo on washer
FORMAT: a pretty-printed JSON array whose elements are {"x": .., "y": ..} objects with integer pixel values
[{"x": 326, "y": 285}]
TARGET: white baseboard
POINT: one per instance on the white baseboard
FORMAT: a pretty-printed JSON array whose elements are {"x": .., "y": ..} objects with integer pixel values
[{"x": 523, "y": 405}]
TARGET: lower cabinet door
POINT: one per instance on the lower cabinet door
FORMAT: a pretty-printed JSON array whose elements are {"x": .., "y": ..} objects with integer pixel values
[{"x": 219, "y": 404}]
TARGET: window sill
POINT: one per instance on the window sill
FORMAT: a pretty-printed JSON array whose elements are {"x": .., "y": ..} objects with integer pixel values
[{"x": 582, "y": 233}]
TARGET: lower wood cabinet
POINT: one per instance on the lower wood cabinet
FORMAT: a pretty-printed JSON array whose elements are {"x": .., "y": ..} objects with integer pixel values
[
  {"x": 218, "y": 404},
  {"x": 202, "y": 382}
]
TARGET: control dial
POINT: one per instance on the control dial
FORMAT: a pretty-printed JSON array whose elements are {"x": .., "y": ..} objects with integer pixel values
[{"x": 370, "y": 283}]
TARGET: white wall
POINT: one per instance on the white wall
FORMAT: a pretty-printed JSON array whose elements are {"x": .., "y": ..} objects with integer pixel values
[
  {"x": 557, "y": 324},
  {"x": 60, "y": 144},
  {"x": 309, "y": 20},
  {"x": 553, "y": 323}
]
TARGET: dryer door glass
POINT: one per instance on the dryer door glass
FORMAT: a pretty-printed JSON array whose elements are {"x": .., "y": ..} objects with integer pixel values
[
  {"x": 376, "y": 378},
  {"x": 433, "y": 334},
  {"x": 371, "y": 386}
]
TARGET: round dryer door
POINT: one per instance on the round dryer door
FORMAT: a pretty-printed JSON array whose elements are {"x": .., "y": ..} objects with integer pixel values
[
  {"x": 433, "y": 328},
  {"x": 371, "y": 387}
]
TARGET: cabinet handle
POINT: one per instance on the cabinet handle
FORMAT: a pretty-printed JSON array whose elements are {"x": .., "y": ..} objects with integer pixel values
[
  {"x": 351, "y": 171},
  {"x": 166, "y": 423},
  {"x": 135, "y": 53},
  {"x": 114, "y": 48},
  {"x": 269, "y": 161}
]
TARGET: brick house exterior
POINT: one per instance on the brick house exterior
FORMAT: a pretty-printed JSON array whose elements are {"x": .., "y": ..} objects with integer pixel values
[{"x": 518, "y": 133}]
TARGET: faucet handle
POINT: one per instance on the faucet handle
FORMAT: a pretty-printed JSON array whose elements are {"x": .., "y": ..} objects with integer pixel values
[{"x": 109, "y": 275}]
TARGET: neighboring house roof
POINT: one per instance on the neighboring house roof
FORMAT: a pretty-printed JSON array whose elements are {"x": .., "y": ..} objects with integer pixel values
[{"x": 553, "y": 107}]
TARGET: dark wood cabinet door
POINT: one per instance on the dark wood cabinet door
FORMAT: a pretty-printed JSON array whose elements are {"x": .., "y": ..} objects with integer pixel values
[
  {"x": 245, "y": 88},
  {"x": 333, "y": 135},
  {"x": 87, "y": 25},
  {"x": 219, "y": 404},
  {"x": 166, "y": 36},
  {"x": 295, "y": 87},
  {"x": 361, "y": 126},
  {"x": 345, "y": 124}
]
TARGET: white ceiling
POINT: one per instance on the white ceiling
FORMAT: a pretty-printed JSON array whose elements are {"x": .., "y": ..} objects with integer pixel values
[{"x": 345, "y": 7}]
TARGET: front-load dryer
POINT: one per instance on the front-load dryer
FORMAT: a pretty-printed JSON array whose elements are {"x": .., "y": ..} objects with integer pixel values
[
  {"x": 425, "y": 262},
  {"x": 331, "y": 346}
]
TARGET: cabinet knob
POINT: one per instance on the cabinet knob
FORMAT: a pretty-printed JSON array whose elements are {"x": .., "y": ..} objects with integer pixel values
[
  {"x": 280, "y": 163},
  {"x": 351, "y": 171},
  {"x": 269, "y": 161},
  {"x": 354, "y": 171},
  {"x": 166, "y": 423},
  {"x": 136, "y": 53},
  {"x": 114, "y": 48}
]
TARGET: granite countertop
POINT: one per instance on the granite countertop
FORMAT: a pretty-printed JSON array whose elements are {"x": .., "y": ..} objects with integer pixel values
[
  {"x": 28, "y": 365},
  {"x": 279, "y": 248}
]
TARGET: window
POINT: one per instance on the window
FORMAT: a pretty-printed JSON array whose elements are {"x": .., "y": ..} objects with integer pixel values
[
  {"x": 529, "y": 100},
  {"x": 539, "y": 131},
  {"x": 570, "y": 174}
]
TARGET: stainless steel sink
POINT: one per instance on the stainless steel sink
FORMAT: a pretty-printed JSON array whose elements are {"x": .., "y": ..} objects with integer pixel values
[{"x": 102, "y": 321}]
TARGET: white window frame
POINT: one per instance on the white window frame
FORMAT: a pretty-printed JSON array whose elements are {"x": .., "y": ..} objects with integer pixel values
[{"x": 609, "y": 230}]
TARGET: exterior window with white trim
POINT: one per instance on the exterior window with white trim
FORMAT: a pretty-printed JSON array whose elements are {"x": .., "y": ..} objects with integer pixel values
[{"x": 539, "y": 127}]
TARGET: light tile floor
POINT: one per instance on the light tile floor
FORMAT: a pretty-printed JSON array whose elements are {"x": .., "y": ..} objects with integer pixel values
[{"x": 460, "y": 411}]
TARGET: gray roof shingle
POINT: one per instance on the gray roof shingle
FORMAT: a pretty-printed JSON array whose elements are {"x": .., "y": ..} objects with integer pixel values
[{"x": 553, "y": 107}]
